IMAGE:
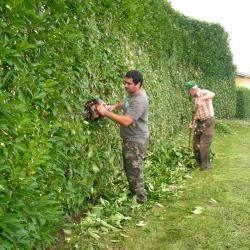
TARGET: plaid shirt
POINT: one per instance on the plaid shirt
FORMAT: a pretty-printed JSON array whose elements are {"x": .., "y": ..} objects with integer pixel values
[{"x": 205, "y": 108}]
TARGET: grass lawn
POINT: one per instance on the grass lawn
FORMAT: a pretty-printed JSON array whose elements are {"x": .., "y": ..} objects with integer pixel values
[{"x": 211, "y": 210}]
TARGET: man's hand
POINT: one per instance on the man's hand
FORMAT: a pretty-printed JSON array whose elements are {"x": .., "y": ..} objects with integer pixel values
[
  {"x": 191, "y": 125},
  {"x": 102, "y": 109},
  {"x": 110, "y": 107},
  {"x": 200, "y": 101}
]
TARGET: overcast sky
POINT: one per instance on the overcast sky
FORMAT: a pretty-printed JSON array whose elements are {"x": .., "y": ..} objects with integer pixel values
[{"x": 233, "y": 15}]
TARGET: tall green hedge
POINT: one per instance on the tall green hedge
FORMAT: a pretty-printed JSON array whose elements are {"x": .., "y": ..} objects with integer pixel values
[
  {"x": 243, "y": 103},
  {"x": 54, "y": 56}
]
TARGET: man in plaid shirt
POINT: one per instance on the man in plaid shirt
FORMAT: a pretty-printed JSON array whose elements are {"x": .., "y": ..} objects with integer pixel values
[{"x": 204, "y": 119}]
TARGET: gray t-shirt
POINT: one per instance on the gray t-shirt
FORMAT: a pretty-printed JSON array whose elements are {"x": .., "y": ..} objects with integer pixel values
[{"x": 136, "y": 106}]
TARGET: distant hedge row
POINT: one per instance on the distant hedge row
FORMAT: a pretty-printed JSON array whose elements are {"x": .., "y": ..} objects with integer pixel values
[
  {"x": 56, "y": 55},
  {"x": 243, "y": 103}
]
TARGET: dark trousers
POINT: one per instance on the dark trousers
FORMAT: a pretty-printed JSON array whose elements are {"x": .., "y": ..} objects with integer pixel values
[
  {"x": 134, "y": 153},
  {"x": 202, "y": 140}
]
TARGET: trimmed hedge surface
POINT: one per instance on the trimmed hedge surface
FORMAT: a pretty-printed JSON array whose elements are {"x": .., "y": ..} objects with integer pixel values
[
  {"x": 243, "y": 103},
  {"x": 56, "y": 55}
]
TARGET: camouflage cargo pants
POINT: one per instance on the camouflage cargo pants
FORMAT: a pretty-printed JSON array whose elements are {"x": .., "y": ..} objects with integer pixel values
[
  {"x": 202, "y": 140},
  {"x": 134, "y": 153}
]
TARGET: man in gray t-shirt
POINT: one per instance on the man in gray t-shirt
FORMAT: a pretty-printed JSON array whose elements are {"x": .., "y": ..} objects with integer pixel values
[
  {"x": 136, "y": 106},
  {"x": 133, "y": 131}
]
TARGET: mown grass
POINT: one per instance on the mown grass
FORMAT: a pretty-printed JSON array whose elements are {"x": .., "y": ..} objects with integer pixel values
[{"x": 223, "y": 195}]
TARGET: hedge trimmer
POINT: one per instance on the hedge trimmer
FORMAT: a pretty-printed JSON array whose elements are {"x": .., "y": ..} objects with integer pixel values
[{"x": 91, "y": 107}]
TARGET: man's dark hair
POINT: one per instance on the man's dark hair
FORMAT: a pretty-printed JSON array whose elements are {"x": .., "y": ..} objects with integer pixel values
[{"x": 136, "y": 76}]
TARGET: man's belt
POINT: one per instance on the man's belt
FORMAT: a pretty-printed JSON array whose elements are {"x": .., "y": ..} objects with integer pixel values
[
  {"x": 205, "y": 119},
  {"x": 140, "y": 140}
]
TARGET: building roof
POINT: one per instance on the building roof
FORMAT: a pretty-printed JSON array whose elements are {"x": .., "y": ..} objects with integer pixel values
[{"x": 243, "y": 74}]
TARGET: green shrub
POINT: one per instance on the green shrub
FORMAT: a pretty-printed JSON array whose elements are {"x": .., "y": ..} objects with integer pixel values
[
  {"x": 243, "y": 103},
  {"x": 223, "y": 127}
]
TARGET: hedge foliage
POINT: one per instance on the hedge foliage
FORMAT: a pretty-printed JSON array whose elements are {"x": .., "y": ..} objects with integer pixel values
[
  {"x": 56, "y": 55},
  {"x": 243, "y": 103}
]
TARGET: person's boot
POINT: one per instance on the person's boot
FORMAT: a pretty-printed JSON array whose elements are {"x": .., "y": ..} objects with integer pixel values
[{"x": 141, "y": 198}]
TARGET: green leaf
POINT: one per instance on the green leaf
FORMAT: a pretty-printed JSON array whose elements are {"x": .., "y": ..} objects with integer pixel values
[
  {"x": 198, "y": 210},
  {"x": 40, "y": 95},
  {"x": 93, "y": 235},
  {"x": 141, "y": 224}
]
